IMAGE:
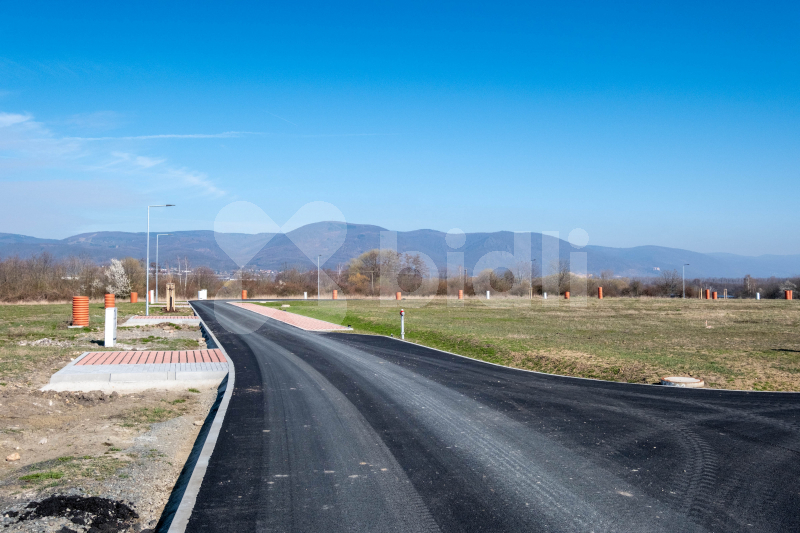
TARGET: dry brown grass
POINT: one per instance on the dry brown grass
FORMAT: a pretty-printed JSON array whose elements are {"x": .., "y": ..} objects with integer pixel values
[{"x": 748, "y": 344}]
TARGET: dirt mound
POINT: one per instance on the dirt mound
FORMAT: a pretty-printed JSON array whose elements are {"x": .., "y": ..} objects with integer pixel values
[{"x": 93, "y": 512}]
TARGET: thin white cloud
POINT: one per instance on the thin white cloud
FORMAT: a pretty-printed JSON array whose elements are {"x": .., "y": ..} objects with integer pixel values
[
  {"x": 26, "y": 144},
  {"x": 147, "y": 162},
  {"x": 313, "y": 135},
  {"x": 9, "y": 119},
  {"x": 224, "y": 135},
  {"x": 283, "y": 119},
  {"x": 196, "y": 179},
  {"x": 140, "y": 160}
]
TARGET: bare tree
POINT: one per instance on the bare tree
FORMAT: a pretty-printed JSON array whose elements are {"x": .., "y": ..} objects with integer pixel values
[{"x": 670, "y": 282}]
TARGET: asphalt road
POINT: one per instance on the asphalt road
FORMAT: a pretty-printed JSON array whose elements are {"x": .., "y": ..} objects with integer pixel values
[{"x": 341, "y": 432}]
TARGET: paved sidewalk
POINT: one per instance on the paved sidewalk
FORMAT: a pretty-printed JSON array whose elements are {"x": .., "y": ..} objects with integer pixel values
[
  {"x": 140, "y": 369},
  {"x": 150, "y": 357},
  {"x": 298, "y": 321},
  {"x": 153, "y": 320}
]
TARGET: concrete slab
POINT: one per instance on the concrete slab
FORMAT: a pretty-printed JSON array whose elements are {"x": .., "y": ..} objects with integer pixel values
[
  {"x": 139, "y": 376},
  {"x": 139, "y": 370},
  {"x": 69, "y": 378}
]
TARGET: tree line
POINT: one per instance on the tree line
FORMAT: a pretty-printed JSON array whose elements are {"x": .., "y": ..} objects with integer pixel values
[
  {"x": 45, "y": 278},
  {"x": 375, "y": 272}
]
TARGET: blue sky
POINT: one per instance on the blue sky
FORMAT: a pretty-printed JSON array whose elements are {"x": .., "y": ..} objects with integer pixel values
[{"x": 675, "y": 125}]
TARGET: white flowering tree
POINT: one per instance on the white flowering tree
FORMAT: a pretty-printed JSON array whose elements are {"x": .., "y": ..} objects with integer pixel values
[{"x": 117, "y": 280}]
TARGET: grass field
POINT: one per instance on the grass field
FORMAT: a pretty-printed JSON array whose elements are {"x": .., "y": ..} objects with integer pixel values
[
  {"x": 748, "y": 344},
  {"x": 23, "y": 324}
]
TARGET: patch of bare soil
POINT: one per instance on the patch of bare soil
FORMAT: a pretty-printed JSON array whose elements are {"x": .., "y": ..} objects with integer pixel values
[{"x": 58, "y": 450}]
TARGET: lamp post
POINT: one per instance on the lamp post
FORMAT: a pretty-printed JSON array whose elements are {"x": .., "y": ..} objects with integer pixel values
[
  {"x": 532, "y": 261},
  {"x": 147, "y": 267},
  {"x": 683, "y": 279},
  {"x": 157, "y": 269},
  {"x": 318, "y": 295}
]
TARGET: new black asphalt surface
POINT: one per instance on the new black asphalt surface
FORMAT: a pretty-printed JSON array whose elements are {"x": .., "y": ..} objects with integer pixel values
[{"x": 342, "y": 432}]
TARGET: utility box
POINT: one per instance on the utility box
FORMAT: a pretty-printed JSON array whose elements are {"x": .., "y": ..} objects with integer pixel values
[
  {"x": 202, "y": 295},
  {"x": 111, "y": 327},
  {"x": 170, "y": 297}
]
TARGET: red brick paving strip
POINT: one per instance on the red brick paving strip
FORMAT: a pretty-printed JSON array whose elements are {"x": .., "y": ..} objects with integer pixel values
[
  {"x": 154, "y": 357},
  {"x": 298, "y": 321},
  {"x": 108, "y": 356},
  {"x": 87, "y": 360},
  {"x": 165, "y": 317}
]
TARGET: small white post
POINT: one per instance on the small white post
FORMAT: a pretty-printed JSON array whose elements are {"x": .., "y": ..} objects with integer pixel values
[
  {"x": 202, "y": 295},
  {"x": 545, "y": 296},
  {"x": 402, "y": 324},
  {"x": 305, "y": 296},
  {"x": 487, "y": 295},
  {"x": 758, "y": 296},
  {"x": 111, "y": 327},
  {"x": 152, "y": 296}
]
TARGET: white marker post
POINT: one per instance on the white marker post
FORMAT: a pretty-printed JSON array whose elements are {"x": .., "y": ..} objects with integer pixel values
[
  {"x": 305, "y": 296},
  {"x": 758, "y": 296},
  {"x": 202, "y": 295},
  {"x": 545, "y": 296},
  {"x": 111, "y": 327},
  {"x": 487, "y": 295},
  {"x": 402, "y": 324}
]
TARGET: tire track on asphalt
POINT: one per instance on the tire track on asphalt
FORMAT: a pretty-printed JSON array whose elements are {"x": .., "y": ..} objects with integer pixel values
[{"x": 491, "y": 439}]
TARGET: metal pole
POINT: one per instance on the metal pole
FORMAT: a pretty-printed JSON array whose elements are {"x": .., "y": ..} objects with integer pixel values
[
  {"x": 683, "y": 279},
  {"x": 147, "y": 266},
  {"x": 403, "y": 327},
  {"x": 157, "y": 236},
  {"x": 147, "y": 269},
  {"x": 318, "y": 276}
]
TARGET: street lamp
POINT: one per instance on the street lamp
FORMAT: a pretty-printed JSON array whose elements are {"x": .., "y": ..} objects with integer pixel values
[
  {"x": 683, "y": 279},
  {"x": 147, "y": 271},
  {"x": 318, "y": 276},
  {"x": 532, "y": 261},
  {"x": 157, "y": 269}
]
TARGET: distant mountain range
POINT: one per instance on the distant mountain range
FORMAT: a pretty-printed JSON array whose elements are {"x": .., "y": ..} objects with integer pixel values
[{"x": 202, "y": 248}]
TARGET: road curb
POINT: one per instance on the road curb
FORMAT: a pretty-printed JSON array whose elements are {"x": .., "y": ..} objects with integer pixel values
[
  {"x": 178, "y": 522},
  {"x": 651, "y": 385}
]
